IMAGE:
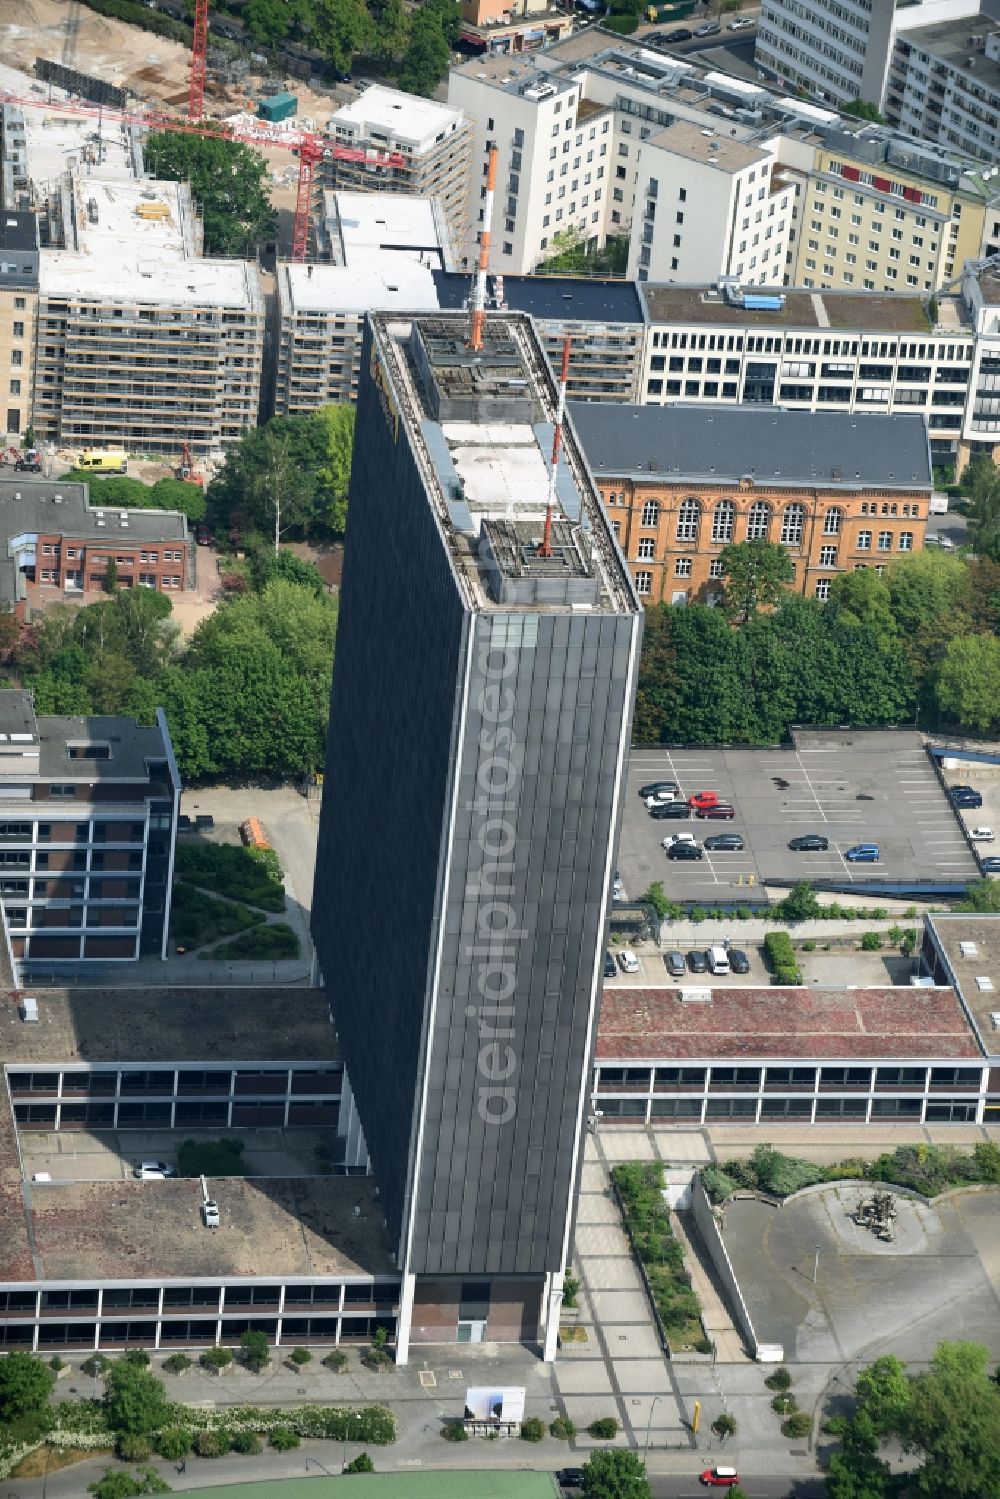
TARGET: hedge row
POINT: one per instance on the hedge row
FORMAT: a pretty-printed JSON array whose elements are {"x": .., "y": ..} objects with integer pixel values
[
  {"x": 780, "y": 955},
  {"x": 928, "y": 1169}
]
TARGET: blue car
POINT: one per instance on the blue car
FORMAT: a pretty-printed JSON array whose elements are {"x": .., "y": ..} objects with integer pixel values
[{"x": 862, "y": 853}]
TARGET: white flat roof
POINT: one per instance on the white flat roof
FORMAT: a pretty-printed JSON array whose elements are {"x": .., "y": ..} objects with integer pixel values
[
  {"x": 122, "y": 274},
  {"x": 379, "y": 283},
  {"x": 501, "y": 466},
  {"x": 383, "y": 221},
  {"x": 403, "y": 117},
  {"x": 109, "y": 213},
  {"x": 57, "y": 142}
]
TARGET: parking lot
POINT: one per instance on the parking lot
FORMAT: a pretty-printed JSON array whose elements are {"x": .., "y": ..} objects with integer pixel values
[
  {"x": 110, "y": 1155},
  {"x": 877, "y": 787}
]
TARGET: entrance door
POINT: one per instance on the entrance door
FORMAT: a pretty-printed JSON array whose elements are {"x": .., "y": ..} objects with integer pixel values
[{"x": 471, "y": 1331}]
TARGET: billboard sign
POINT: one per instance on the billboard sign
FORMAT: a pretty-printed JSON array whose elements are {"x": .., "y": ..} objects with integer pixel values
[{"x": 490, "y": 1403}]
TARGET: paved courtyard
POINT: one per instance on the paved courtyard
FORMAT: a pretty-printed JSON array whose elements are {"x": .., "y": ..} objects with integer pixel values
[{"x": 938, "y": 1279}]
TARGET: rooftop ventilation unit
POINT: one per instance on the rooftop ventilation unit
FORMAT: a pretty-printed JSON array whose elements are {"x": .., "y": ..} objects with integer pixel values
[
  {"x": 29, "y": 1010},
  {"x": 968, "y": 949},
  {"x": 984, "y": 982},
  {"x": 699, "y": 996}
]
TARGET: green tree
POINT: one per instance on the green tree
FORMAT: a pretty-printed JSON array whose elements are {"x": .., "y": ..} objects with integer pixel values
[
  {"x": 256, "y": 1349},
  {"x": 883, "y": 1394},
  {"x": 800, "y": 904},
  {"x": 229, "y": 184},
  {"x": 25, "y": 1385},
  {"x": 756, "y": 574},
  {"x": 857, "y": 1471},
  {"x": 981, "y": 595},
  {"x": 615, "y": 1473},
  {"x": 926, "y": 589},
  {"x": 360, "y": 1464},
  {"x": 863, "y": 110},
  {"x": 392, "y": 32},
  {"x": 983, "y": 506},
  {"x": 134, "y": 1400},
  {"x": 118, "y": 1484},
  {"x": 656, "y": 896},
  {"x": 110, "y": 582},
  {"x": 982, "y": 896},
  {"x": 298, "y": 465},
  {"x": 267, "y": 21},
  {"x": 178, "y": 494},
  {"x": 427, "y": 56},
  {"x": 968, "y": 682},
  {"x": 862, "y": 600},
  {"x": 953, "y": 1419},
  {"x": 334, "y": 475},
  {"x": 341, "y": 29}
]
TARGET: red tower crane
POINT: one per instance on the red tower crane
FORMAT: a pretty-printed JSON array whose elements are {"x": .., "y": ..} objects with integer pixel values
[{"x": 199, "y": 59}]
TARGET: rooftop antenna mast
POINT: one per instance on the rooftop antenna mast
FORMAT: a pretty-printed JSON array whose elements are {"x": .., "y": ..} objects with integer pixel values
[
  {"x": 545, "y": 545},
  {"x": 477, "y": 321}
]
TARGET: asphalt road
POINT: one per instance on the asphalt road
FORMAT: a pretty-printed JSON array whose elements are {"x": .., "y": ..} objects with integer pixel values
[{"x": 668, "y": 1486}]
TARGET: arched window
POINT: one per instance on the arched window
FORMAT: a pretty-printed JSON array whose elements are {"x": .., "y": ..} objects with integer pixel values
[
  {"x": 651, "y": 513},
  {"x": 723, "y": 521},
  {"x": 688, "y": 517},
  {"x": 832, "y": 522},
  {"x": 792, "y": 522},
  {"x": 758, "y": 521}
]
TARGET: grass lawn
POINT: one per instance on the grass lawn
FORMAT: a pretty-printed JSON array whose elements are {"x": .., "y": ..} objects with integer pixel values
[
  {"x": 229, "y": 869},
  {"x": 275, "y": 941},
  {"x": 197, "y": 918}
]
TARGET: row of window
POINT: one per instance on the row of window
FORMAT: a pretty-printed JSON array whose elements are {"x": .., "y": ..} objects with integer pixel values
[
  {"x": 758, "y": 526},
  {"x": 725, "y": 1076},
  {"x": 54, "y": 549}
]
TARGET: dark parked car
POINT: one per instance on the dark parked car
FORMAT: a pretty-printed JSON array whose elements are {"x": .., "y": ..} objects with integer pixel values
[
  {"x": 670, "y": 809},
  {"x": 725, "y": 843},
  {"x": 990, "y": 865},
  {"x": 570, "y": 1478},
  {"x": 738, "y": 960},
  {"x": 685, "y": 851},
  {"x": 674, "y": 961},
  {"x": 679, "y": 34},
  {"x": 698, "y": 960},
  {"x": 652, "y": 788},
  {"x": 609, "y": 966},
  {"x": 966, "y": 796},
  {"x": 721, "y": 811},
  {"x": 810, "y": 842}
]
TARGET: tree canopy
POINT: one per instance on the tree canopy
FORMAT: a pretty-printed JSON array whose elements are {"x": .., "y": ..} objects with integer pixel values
[
  {"x": 228, "y": 182},
  {"x": 756, "y": 573},
  {"x": 119, "y": 490},
  {"x": 25, "y": 1385},
  {"x": 301, "y": 462},
  {"x": 134, "y": 1400},
  {"x": 615, "y": 1473},
  {"x": 948, "y": 1416},
  {"x": 415, "y": 43}
]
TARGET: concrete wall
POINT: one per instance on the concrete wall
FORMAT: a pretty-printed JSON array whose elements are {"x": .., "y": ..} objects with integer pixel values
[{"x": 712, "y": 1239}]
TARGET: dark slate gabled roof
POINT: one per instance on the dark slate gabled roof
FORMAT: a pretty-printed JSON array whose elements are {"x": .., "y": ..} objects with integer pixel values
[{"x": 775, "y": 447}]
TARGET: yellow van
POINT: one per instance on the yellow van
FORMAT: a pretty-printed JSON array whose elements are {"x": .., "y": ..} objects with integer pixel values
[{"x": 114, "y": 461}]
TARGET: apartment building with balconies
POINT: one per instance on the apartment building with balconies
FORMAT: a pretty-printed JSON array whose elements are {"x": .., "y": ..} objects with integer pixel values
[
  {"x": 944, "y": 83},
  {"x": 18, "y": 308},
  {"x": 839, "y": 492},
  {"x": 88, "y": 821}
]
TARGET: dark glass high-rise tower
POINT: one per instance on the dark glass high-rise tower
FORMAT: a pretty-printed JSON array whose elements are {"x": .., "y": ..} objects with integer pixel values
[{"x": 479, "y": 730}]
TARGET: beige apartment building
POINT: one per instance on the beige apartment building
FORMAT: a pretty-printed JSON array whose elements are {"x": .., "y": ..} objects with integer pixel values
[
  {"x": 141, "y": 342},
  {"x": 18, "y": 305},
  {"x": 873, "y": 217}
]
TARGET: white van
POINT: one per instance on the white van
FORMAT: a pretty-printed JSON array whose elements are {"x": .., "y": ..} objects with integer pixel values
[{"x": 718, "y": 960}]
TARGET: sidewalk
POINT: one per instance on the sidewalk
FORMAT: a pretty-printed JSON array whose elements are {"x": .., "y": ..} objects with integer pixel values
[{"x": 717, "y": 1322}]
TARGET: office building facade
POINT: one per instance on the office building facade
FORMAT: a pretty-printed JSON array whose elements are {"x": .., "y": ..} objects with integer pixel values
[
  {"x": 488, "y": 768},
  {"x": 18, "y": 307}
]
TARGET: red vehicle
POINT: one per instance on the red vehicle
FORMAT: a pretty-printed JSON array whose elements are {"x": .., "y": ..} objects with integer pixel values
[
  {"x": 703, "y": 799},
  {"x": 721, "y": 810},
  {"x": 720, "y": 1478}
]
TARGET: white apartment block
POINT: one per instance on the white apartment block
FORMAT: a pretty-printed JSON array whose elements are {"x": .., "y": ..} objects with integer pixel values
[
  {"x": 820, "y": 351},
  {"x": 554, "y": 163},
  {"x": 839, "y": 50},
  {"x": 433, "y": 140},
  {"x": 944, "y": 85},
  {"x": 981, "y": 295},
  {"x": 708, "y": 206}
]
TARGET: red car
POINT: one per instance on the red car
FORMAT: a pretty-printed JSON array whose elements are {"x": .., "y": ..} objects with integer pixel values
[
  {"x": 720, "y": 1478},
  {"x": 703, "y": 799},
  {"x": 721, "y": 809}
]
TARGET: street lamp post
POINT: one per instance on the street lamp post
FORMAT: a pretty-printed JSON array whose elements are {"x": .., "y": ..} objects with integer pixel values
[
  {"x": 649, "y": 1422},
  {"x": 816, "y": 1265}
]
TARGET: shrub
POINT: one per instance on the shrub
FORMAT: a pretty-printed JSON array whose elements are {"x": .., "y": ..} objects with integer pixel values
[
  {"x": 260, "y": 942},
  {"x": 783, "y": 1174},
  {"x": 797, "y": 1425},
  {"x": 360, "y": 1464},
  {"x": 283, "y": 1438},
  {"x": 871, "y": 941},
  {"x": 571, "y": 1291},
  {"x": 336, "y": 1360},
  {"x": 247, "y": 1442},
  {"x": 604, "y": 1428},
  {"x": 300, "y": 1357},
  {"x": 212, "y": 1443},
  {"x": 57, "y": 1364},
  {"x": 835, "y": 1426},
  {"x": 454, "y": 1431},
  {"x": 532, "y": 1429},
  {"x": 563, "y": 1428},
  {"x": 216, "y": 1358},
  {"x": 697, "y": 914},
  {"x": 724, "y": 1426},
  {"x": 809, "y": 945},
  {"x": 800, "y": 904},
  {"x": 134, "y": 1449},
  {"x": 785, "y": 1405},
  {"x": 779, "y": 1380},
  {"x": 137, "y": 1357},
  {"x": 229, "y": 870},
  {"x": 703, "y": 1345},
  {"x": 256, "y": 1349},
  {"x": 134, "y": 1400},
  {"x": 174, "y": 1442},
  {"x": 177, "y": 1363},
  {"x": 987, "y": 1158},
  {"x": 94, "y": 1365},
  {"x": 25, "y": 1385},
  {"x": 717, "y": 1184}
]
